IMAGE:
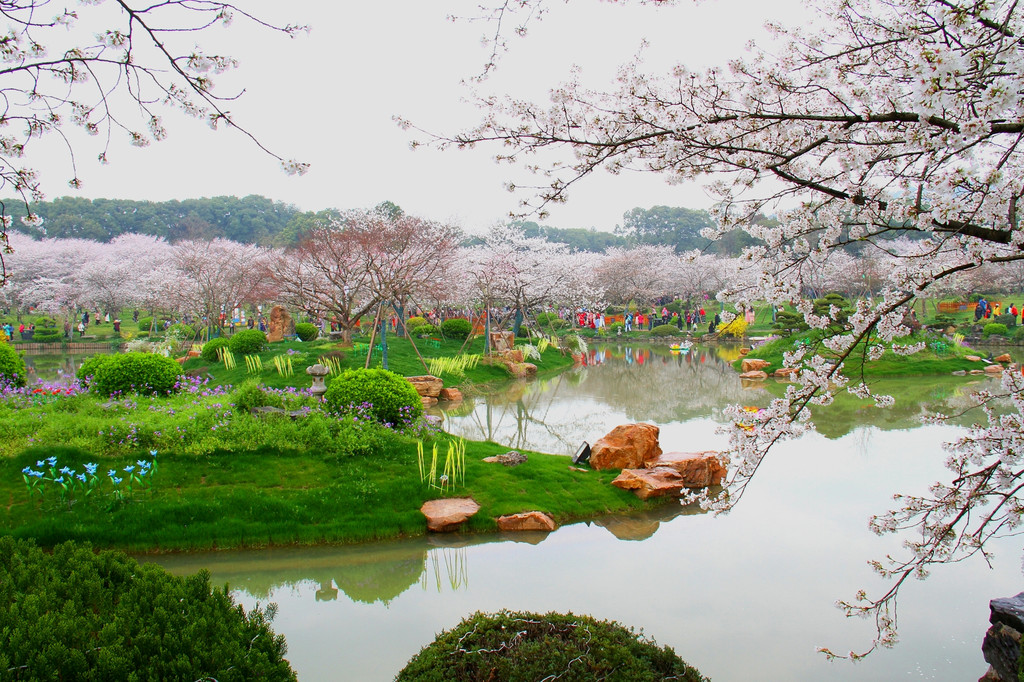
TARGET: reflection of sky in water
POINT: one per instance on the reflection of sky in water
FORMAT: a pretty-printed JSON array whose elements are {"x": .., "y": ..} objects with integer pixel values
[{"x": 744, "y": 596}]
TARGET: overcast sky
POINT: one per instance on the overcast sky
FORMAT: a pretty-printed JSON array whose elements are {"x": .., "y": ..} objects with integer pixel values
[{"x": 329, "y": 99}]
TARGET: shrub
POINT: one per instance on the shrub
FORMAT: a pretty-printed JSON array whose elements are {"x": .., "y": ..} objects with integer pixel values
[
  {"x": 184, "y": 332},
  {"x": 45, "y": 322},
  {"x": 47, "y": 335},
  {"x": 424, "y": 330},
  {"x": 616, "y": 327},
  {"x": 415, "y": 321},
  {"x": 247, "y": 342},
  {"x": 144, "y": 373},
  {"x": 457, "y": 328},
  {"x": 87, "y": 370},
  {"x": 391, "y": 398},
  {"x": 994, "y": 328},
  {"x": 75, "y": 615},
  {"x": 306, "y": 331},
  {"x": 12, "y": 366},
  {"x": 249, "y": 395},
  {"x": 566, "y": 646},
  {"x": 211, "y": 349},
  {"x": 145, "y": 323},
  {"x": 1008, "y": 319},
  {"x": 556, "y": 323},
  {"x": 524, "y": 332},
  {"x": 665, "y": 330},
  {"x": 542, "y": 319}
]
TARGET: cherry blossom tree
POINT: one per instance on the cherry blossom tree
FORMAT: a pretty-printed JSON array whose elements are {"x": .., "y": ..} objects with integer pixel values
[
  {"x": 218, "y": 275},
  {"x": 880, "y": 119},
  {"x": 119, "y": 275},
  {"x": 109, "y": 69}
]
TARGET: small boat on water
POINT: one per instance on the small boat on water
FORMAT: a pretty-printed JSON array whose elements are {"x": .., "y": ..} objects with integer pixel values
[{"x": 683, "y": 347}]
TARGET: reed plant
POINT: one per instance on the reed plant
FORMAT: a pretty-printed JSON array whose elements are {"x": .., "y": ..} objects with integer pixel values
[
  {"x": 333, "y": 364},
  {"x": 253, "y": 364},
  {"x": 283, "y": 363},
  {"x": 453, "y": 471},
  {"x": 454, "y": 365},
  {"x": 228, "y": 358}
]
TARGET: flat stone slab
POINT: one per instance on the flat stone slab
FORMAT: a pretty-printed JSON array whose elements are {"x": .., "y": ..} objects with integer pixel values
[
  {"x": 648, "y": 483},
  {"x": 446, "y": 515},
  {"x": 697, "y": 469}
]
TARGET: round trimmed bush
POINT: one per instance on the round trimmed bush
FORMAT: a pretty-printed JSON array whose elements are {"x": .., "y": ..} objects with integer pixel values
[
  {"x": 426, "y": 329},
  {"x": 457, "y": 328},
  {"x": 994, "y": 328},
  {"x": 145, "y": 323},
  {"x": 211, "y": 349},
  {"x": 415, "y": 321},
  {"x": 144, "y": 373},
  {"x": 389, "y": 397},
  {"x": 12, "y": 366},
  {"x": 47, "y": 335},
  {"x": 76, "y": 615},
  {"x": 665, "y": 330},
  {"x": 247, "y": 342},
  {"x": 306, "y": 331},
  {"x": 87, "y": 370},
  {"x": 569, "y": 647},
  {"x": 45, "y": 322}
]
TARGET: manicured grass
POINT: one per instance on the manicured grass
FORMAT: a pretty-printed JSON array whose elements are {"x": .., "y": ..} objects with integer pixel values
[
  {"x": 279, "y": 497},
  {"x": 945, "y": 359}
]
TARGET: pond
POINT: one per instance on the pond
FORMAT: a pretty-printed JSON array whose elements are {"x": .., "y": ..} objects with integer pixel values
[
  {"x": 745, "y": 595},
  {"x": 56, "y": 367}
]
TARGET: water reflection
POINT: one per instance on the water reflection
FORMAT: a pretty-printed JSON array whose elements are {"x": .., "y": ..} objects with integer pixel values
[
  {"x": 621, "y": 383},
  {"x": 55, "y": 366}
]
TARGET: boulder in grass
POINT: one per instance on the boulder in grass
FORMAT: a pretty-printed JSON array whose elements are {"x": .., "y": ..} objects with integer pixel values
[
  {"x": 752, "y": 364},
  {"x": 697, "y": 469},
  {"x": 450, "y": 394},
  {"x": 533, "y": 520},
  {"x": 426, "y": 385},
  {"x": 627, "y": 446},
  {"x": 1005, "y": 357},
  {"x": 446, "y": 515},
  {"x": 648, "y": 483},
  {"x": 755, "y": 374}
]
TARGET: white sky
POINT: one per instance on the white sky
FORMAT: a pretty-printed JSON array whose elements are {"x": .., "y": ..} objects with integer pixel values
[{"x": 328, "y": 99}]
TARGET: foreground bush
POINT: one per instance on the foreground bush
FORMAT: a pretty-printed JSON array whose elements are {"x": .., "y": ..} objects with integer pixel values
[
  {"x": 47, "y": 335},
  {"x": 386, "y": 396},
  {"x": 87, "y": 370},
  {"x": 306, "y": 331},
  {"x": 525, "y": 646},
  {"x": 144, "y": 373},
  {"x": 457, "y": 328},
  {"x": 247, "y": 342},
  {"x": 994, "y": 328},
  {"x": 12, "y": 366},
  {"x": 75, "y": 615}
]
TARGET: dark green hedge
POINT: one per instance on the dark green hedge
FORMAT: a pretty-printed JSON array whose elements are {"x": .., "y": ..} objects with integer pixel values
[
  {"x": 515, "y": 647},
  {"x": 143, "y": 373},
  {"x": 247, "y": 342},
  {"x": 12, "y": 366},
  {"x": 76, "y": 615},
  {"x": 456, "y": 328}
]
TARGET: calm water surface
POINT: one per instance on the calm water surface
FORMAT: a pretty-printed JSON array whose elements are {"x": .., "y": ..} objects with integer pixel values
[{"x": 744, "y": 596}]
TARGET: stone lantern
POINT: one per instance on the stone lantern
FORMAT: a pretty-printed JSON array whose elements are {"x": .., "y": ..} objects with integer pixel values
[{"x": 318, "y": 372}]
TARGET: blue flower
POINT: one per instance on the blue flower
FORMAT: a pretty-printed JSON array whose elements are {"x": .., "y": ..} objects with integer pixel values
[
  {"x": 111, "y": 473},
  {"x": 52, "y": 461},
  {"x": 152, "y": 453},
  {"x": 26, "y": 470},
  {"x": 81, "y": 477},
  {"x": 116, "y": 480},
  {"x": 90, "y": 468},
  {"x": 37, "y": 474},
  {"x": 40, "y": 462},
  {"x": 129, "y": 469}
]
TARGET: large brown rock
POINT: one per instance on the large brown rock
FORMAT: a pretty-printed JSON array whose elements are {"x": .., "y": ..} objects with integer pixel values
[
  {"x": 428, "y": 401},
  {"x": 972, "y": 358},
  {"x": 280, "y": 323},
  {"x": 648, "y": 483},
  {"x": 697, "y": 469},
  {"x": 533, "y": 520},
  {"x": 993, "y": 369},
  {"x": 752, "y": 364},
  {"x": 444, "y": 516},
  {"x": 628, "y": 446},
  {"x": 513, "y": 356},
  {"x": 450, "y": 394},
  {"x": 426, "y": 385},
  {"x": 1005, "y": 357},
  {"x": 785, "y": 372},
  {"x": 521, "y": 370},
  {"x": 754, "y": 374}
]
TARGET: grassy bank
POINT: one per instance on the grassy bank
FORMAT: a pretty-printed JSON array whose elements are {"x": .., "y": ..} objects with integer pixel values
[
  {"x": 938, "y": 357},
  {"x": 191, "y": 471}
]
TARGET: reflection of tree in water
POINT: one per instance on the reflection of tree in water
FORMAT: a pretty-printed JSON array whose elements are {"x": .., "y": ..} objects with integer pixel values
[
  {"x": 916, "y": 398},
  {"x": 615, "y": 384}
]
